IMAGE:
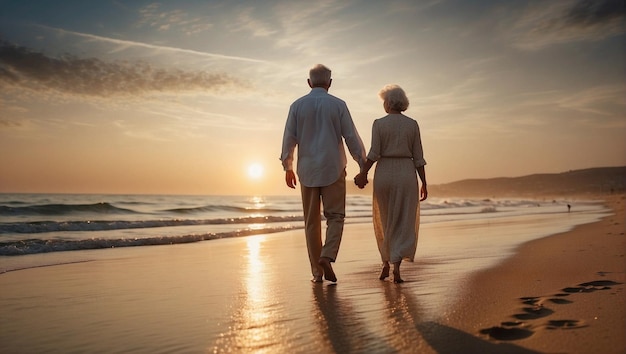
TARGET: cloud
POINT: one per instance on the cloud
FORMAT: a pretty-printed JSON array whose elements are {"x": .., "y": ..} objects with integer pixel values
[
  {"x": 466, "y": 95},
  {"x": 300, "y": 25},
  {"x": 595, "y": 101},
  {"x": 9, "y": 124},
  {"x": 153, "y": 16},
  {"x": 588, "y": 13},
  {"x": 22, "y": 67},
  {"x": 548, "y": 23},
  {"x": 247, "y": 20},
  {"x": 598, "y": 102},
  {"x": 9, "y": 112},
  {"x": 125, "y": 44}
]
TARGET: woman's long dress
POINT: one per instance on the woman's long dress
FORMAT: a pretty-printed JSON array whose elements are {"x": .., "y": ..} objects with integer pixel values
[{"x": 397, "y": 150}]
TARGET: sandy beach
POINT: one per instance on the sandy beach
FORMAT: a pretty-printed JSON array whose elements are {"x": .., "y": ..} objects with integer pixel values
[{"x": 558, "y": 294}]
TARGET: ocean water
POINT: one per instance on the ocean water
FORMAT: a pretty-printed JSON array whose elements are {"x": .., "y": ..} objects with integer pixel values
[{"x": 45, "y": 223}]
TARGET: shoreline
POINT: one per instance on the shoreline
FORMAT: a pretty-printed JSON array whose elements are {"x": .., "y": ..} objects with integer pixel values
[
  {"x": 562, "y": 293},
  {"x": 247, "y": 294}
]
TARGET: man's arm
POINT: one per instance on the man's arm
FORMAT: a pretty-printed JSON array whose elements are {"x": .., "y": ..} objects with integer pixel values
[
  {"x": 289, "y": 145},
  {"x": 352, "y": 138}
]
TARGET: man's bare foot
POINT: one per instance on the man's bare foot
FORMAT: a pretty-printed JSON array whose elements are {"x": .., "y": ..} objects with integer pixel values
[
  {"x": 384, "y": 273},
  {"x": 317, "y": 279},
  {"x": 324, "y": 262}
]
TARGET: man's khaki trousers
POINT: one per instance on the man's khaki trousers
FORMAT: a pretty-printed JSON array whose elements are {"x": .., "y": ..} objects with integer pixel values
[{"x": 333, "y": 200}]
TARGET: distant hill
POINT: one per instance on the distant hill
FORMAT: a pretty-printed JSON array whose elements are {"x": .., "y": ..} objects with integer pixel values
[{"x": 592, "y": 181}]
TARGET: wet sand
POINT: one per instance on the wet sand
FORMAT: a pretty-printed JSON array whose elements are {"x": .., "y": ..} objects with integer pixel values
[
  {"x": 563, "y": 293},
  {"x": 560, "y": 294}
]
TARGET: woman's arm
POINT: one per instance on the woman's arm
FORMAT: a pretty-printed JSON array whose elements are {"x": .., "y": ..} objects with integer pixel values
[{"x": 421, "y": 171}]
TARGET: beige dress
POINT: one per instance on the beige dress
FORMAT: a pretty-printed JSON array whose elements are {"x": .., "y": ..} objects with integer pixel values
[{"x": 397, "y": 150}]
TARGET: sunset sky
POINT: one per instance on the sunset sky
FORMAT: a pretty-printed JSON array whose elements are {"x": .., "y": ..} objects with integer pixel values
[{"x": 184, "y": 97}]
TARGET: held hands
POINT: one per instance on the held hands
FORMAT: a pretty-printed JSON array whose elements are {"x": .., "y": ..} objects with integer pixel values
[{"x": 361, "y": 180}]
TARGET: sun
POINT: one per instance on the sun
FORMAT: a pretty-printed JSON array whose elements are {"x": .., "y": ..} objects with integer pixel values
[{"x": 255, "y": 171}]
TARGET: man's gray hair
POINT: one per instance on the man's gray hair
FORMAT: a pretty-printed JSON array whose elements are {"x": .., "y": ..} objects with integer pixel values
[
  {"x": 319, "y": 75},
  {"x": 394, "y": 98}
]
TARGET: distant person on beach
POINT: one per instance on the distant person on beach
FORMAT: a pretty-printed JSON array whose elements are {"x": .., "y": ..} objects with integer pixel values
[
  {"x": 397, "y": 149},
  {"x": 317, "y": 124}
]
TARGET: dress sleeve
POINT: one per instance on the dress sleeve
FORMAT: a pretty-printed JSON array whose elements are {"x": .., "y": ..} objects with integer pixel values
[
  {"x": 374, "y": 153},
  {"x": 418, "y": 153}
]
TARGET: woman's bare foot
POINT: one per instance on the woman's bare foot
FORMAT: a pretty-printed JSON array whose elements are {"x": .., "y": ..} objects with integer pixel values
[
  {"x": 396, "y": 273},
  {"x": 397, "y": 279},
  {"x": 317, "y": 279},
  {"x": 384, "y": 273}
]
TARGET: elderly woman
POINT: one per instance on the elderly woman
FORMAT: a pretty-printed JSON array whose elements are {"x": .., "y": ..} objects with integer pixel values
[{"x": 397, "y": 149}]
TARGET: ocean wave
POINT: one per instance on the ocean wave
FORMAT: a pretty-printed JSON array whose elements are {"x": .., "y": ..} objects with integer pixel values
[
  {"x": 106, "y": 225},
  {"x": 63, "y": 209},
  {"x": 108, "y": 208},
  {"x": 455, "y": 203},
  {"x": 489, "y": 209},
  {"x": 19, "y": 208},
  {"x": 230, "y": 208},
  {"x": 35, "y": 246}
]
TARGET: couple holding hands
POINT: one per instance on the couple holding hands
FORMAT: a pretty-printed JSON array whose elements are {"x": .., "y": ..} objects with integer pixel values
[{"x": 318, "y": 124}]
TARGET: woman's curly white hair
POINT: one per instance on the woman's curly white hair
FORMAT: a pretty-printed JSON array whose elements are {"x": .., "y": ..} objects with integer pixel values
[{"x": 394, "y": 98}]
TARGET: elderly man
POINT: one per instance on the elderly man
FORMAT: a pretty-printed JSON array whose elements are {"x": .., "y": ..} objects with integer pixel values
[{"x": 318, "y": 123}]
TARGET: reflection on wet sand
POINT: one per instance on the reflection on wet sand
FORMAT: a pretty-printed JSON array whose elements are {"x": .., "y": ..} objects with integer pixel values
[
  {"x": 403, "y": 317},
  {"x": 257, "y": 325},
  {"x": 336, "y": 322},
  {"x": 361, "y": 314}
]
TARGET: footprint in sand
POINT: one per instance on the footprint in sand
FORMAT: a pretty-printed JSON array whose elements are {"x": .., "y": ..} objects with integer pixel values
[
  {"x": 535, "y": 310},
  {"x": 533, "y": 313},
  {"x": 565, "y": 324},
  {"x": 560, "y": 301},
  {"x": 508, "y": 331},
  {"x": 591, "y": 286},
  {"x": 531, "y": 300},
  {"x": 561, "y": 295}
]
